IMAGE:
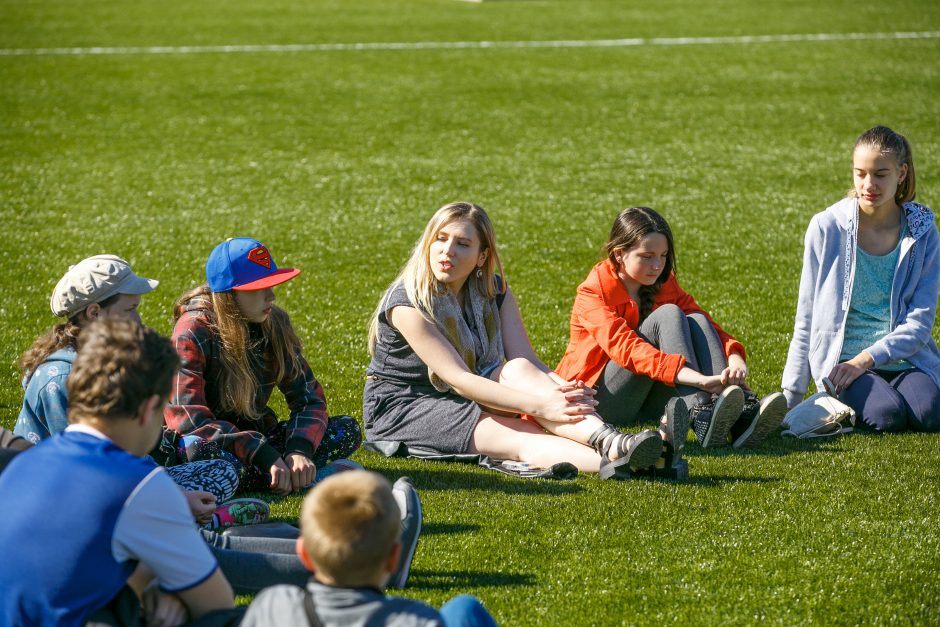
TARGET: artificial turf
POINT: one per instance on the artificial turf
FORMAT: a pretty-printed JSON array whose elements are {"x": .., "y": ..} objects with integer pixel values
[{"x": 337, "y": 159}]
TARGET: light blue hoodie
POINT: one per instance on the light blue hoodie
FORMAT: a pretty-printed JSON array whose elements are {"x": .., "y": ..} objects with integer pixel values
[
  {"x": 45, "y": 405},
  {"x": 826, "y": 293}
]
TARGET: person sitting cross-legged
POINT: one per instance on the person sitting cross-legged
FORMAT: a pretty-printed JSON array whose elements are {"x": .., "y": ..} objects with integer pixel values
[{"x": 97, "y": 527}]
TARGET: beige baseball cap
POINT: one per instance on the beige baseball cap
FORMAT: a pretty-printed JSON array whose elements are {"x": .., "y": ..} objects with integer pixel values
[{"x": 94, "y": 279}]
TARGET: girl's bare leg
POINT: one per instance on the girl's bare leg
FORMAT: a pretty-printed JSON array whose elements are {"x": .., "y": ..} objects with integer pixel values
[
  {"x": 521, "y": 374},
  {"x": 522, "y": 440}
]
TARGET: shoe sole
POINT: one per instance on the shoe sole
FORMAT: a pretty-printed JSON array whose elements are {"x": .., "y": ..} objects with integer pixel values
[
  {"x": 410, "y": 530},
  {"x": 773, "y": 408},
  {"x": 646, "y": 452},
  {"x": 728, "y": 408},
  {"x": 677, "y": 423}
]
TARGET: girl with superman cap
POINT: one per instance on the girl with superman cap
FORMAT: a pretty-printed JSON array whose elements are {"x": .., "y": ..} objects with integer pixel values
[{"x": 236, "y": 346}]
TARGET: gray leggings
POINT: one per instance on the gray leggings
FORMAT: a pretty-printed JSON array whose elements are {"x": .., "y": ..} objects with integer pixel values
[
  {"x": 251, "y": 563},
  {"x": 626, "y": 398}
]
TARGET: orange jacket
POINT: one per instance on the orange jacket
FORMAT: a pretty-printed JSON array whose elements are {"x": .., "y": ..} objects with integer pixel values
[{"x": 603, "y": 327}]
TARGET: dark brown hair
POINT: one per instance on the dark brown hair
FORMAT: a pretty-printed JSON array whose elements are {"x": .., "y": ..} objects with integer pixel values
[
  {"x": 630, "y": 227},
  {"x": 119, "y": 365},
  {"x": 58, "y": 337},
  {"x": 886, "y": 141}
]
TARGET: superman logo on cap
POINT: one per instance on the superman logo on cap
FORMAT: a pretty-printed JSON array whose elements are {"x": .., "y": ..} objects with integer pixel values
[{"x": 260, "y": 256}]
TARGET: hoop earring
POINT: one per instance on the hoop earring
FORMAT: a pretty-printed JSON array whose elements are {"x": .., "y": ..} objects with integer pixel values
[{"x": 479, "y": 273}]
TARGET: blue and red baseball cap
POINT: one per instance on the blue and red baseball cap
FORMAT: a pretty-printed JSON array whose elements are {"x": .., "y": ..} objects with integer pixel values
[{"x": 244, "y": 264}]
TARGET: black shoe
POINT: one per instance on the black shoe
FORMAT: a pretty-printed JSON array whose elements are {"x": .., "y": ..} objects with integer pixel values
[
  {"x": 410, "y": 505},
  {"x": 712, "y": 420},
  {"x": 759, "y": 418}
]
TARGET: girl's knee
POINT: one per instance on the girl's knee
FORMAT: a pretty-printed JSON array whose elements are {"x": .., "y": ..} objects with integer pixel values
[
  {"x": 878, "y": 407},
  {"x": 883, "y": 415},
  {"x": 667, "y": 312},
  {"x": 923, "y": 398},
  {"x": 516, "y": 370},
  {"x": 925, "y": 416},
  {"x": 883, "y": 421}
]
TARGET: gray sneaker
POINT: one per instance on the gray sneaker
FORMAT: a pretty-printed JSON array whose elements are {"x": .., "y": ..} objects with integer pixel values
[
  {"x": 759, "y": 419},
  {"x": 712, "y": 420},
  {"x": 410, "y": 505}
]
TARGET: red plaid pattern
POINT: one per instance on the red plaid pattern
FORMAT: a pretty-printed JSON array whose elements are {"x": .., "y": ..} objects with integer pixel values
[{"x": 195, "y": 409}]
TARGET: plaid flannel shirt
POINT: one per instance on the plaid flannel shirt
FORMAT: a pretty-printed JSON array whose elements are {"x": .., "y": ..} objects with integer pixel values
[{"x": 195, "y": 408}]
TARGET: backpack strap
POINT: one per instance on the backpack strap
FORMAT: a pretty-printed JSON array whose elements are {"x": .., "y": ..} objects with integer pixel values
[{"x": 310, "y": 609}]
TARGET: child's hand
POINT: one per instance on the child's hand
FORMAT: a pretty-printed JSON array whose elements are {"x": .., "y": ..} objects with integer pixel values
[
  {"x": 280, "y": 477},
  {"x": 302, "y": 471},
  {"x": 736, "y": 372},
  {"x": 843, "y": 375},
  {"x": 712, "y": 384},
  {"x": 162, "y": 609},
  {"x": 201, "y": 504}
]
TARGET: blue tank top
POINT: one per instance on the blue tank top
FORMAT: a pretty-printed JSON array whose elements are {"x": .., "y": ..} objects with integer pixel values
[{"x": 869, "y": 316}]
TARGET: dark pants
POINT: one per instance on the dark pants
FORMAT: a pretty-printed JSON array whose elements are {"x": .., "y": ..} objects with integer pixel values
[
  {"x": 625, "y": 397},
  {"x": 340, "y": 440},
  {"x": 124, "y": 611},
  {"x": 10, "y": 446},
  {"x": 886, "y": 401}
]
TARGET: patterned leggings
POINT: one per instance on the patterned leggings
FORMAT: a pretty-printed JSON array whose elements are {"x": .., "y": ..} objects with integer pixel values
[
  {"x": 216, "y": 476},
  {"x": 341, "y": 439}
]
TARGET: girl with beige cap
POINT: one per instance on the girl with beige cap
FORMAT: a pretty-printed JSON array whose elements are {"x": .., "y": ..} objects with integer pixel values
[{"x": 105, "y": 286}]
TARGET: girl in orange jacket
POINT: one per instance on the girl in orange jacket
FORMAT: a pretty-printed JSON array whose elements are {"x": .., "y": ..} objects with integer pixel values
[{"x": 641, "y": 340}]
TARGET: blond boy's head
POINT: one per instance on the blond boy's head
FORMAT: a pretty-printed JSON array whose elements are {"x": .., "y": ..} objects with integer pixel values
[{"x": 350, "y": 527}]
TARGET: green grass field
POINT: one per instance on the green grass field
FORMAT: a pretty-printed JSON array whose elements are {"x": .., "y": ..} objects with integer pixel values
[{"x": 336, "y": 159}]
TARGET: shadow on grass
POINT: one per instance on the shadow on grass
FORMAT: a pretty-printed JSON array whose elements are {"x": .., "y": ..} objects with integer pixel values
[
  {"x": 715, "y": 480},
  {"x": 443, "y": 476},
  {"x": 778, "y": 448},
  {"x": 460, "y": 579},
  {"x": 434, "y": 528}
]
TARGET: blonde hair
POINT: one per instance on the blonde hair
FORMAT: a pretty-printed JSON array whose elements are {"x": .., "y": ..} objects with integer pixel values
[
  {"x": 350, "y": 523},
  {"x": 417, "y": 277},
  {"x": 238, "y": 386}
]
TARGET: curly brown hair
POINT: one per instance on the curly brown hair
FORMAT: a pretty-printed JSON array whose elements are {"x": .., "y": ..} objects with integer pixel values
[{"x": 119, "y": 365}]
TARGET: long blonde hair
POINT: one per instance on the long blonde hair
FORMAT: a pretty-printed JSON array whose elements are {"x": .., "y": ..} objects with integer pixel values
[
  {"x": 417, "y": 277},
  {"x": 238, "y": 385}
]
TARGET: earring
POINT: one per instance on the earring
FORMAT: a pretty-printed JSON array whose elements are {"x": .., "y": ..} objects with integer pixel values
[{"x": 479, "y": 273}]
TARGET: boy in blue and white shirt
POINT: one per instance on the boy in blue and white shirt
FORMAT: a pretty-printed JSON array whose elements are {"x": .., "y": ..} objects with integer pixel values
[{"x": 105, "y": 516}]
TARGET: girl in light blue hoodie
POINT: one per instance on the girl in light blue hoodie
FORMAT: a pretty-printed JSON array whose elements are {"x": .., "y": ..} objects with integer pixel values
[{"x": 868, "y": 296}]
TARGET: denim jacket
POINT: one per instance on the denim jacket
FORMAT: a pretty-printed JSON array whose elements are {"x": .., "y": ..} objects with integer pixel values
[
  {"x": 45, "y": 406},
  {"x": 826, "y": 293}
]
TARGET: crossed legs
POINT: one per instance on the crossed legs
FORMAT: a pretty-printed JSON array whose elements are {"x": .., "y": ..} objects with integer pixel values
[{"x": 541, "y": 443}]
